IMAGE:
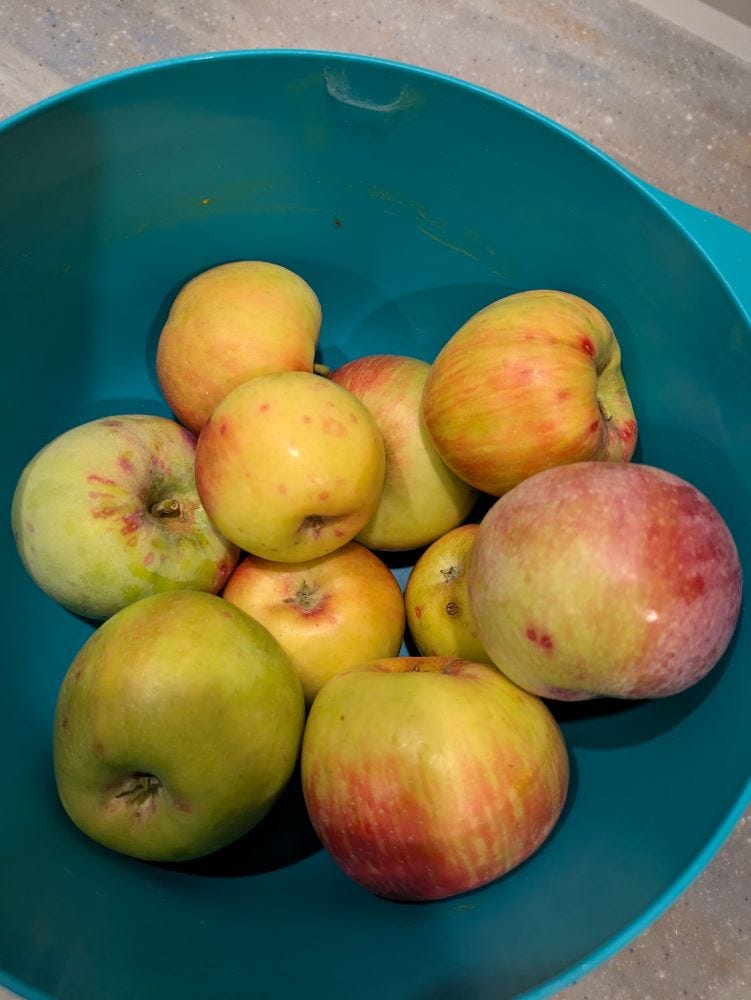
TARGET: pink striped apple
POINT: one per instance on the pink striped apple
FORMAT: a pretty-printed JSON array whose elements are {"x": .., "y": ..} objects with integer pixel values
[
  {"x": 425, "y": 777},
  {"x": 602, "y": 579},
  {"x": 108, "y": 512},
  {"x": 529, "y": 382},
  {"x": 422, "y": 498}
]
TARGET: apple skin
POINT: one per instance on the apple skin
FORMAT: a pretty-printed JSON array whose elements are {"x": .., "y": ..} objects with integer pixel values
[
  {"x": 108, "y": 512},
  {"x": 599, "y": 579},
  {"x": 425, "y": 777},
  {"x": 290, "y": 466},
  {"x": 437, "y": 600},
  {"x": 422, "y": 498},
  {"x": 177, "y": 726},
  {"x": 327, "y": 614},
  {"x": 228, "y": 324},
  {"x": 530, "y": 382}
]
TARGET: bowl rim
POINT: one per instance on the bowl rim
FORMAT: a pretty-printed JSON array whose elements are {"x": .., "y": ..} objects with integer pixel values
[{"x": 707, "y": 852}]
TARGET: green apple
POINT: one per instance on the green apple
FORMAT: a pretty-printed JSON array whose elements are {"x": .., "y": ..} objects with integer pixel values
[
  {"x": 228, "y": 324},
  {"x": 437, "y": 602},
  {"x": 328, "y": 614},
  {"x": 530, "y": 382},
  {"x": 290, "y": 466},
  {"x": 108, "y": 513},
  {"x": 177, "y": 726},
  {"x": 422, "y": 498},
  {"x": 426, "y": 777}
]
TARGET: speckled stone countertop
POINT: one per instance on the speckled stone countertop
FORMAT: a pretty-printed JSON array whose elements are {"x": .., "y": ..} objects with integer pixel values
[{"x": 669, "y": 106}]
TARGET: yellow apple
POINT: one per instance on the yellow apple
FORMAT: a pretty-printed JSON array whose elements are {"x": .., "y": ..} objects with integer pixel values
[
  {"x": 228, "y": 324},
  {"x": 437, "y": 601},
  {"x": 422, "y": 498},
  {"x": 290, "y": 466},
  {"x": 327, "y": 614}
]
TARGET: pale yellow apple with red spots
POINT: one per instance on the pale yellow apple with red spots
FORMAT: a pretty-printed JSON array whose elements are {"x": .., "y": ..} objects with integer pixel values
[
  {"x": 327, "y": 614},
  {"x": 228, "y": 324},
  {"x": 437, "y": 602},
  {"x": 426, "y": 777},
  {"x": 290, "y": 466},
  {"x": 422, "y": 498},
  {"x": 529, "y": 382}
]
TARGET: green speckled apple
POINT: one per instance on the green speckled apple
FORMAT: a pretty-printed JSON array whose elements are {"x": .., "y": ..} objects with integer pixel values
[
  {"x": 177, "y": 726},
  {"x": 108, "y": 513}
]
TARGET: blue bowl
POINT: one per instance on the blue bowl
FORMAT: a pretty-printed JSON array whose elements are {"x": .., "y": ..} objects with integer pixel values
[{"x": 408, "y": 200}]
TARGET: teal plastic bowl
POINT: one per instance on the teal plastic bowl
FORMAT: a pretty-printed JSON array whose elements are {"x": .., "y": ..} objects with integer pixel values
[{"x": 407, "y": 200}]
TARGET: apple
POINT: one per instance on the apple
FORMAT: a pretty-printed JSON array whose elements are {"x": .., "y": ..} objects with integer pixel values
[
  {"x": 108, "y": 513},
  {"x": 177, "y": 726},
  {"x": 228, "y": 324},
  {"x": 422, "y": 498},
  {"x": 530, "y": 382},
  {"x": 327, "y": 614},
  {"x": 437, "y": 602},
  {"x": 425, "y": 777},
  {"x": 290, "y": 466},
  {"x": 604, "y": 579}
]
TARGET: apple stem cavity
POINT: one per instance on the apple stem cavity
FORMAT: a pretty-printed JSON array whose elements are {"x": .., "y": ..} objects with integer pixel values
[
  {"x": 604, "y": 410},
  {"x": 306, "y": 597},
  {"x": 143, "y": 787},
  {"x": 313, "y": 523},
  {"x": 451, "y": 573},
  {"x": 168, "y": 507}
]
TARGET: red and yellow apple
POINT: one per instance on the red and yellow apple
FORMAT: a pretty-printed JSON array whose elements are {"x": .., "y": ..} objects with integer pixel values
[
  {"x": 290, "y": 466},
  {"x": 530, "y": 382},
  {"x": 426, "y": 777},
  {"x": 604, "y": 579},
  {"x": 177, "y": 726},
  {"x": 437, "y": 601},
  {"x": 422, "y": 498},
  {"x": 327, "y": 614},
  {"x": 108, "y": 512},
  {"x": 228, "y": 324}
]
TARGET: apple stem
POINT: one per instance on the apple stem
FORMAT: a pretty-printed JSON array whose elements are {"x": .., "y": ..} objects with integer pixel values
[
  {"x": 168, "y": 507},
  {"x": 321, "y": 369},
  {"x": 604, "y": 410}
]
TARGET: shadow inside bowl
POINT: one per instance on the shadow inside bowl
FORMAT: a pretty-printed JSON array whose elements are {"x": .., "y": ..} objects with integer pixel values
[
  {"x": 284, "y": 837},
  {"x": 606, "y": 723}
]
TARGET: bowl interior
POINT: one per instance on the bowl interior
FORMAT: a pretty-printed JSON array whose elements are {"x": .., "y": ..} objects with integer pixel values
[{"x": 408, "y": 201}]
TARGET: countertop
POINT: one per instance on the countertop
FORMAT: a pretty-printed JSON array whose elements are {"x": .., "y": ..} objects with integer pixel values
[{"x": 666, "y": 103}]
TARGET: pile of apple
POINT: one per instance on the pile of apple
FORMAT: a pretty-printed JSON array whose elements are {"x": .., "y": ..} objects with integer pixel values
[{"x": 236, "y": 559}]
